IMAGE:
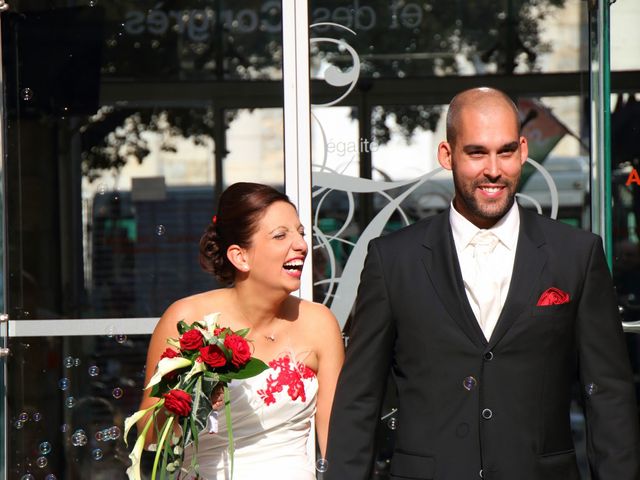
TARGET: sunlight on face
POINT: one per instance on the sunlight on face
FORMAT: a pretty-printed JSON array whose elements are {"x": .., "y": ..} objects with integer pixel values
[
  {"x": 278, "y": 248},
  {"x": 486, "y": 163}
]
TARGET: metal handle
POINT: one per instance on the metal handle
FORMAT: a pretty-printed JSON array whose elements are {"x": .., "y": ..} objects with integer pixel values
[
  {"x": 631, "y": 327},
  {"x": 4, "y": 318}
]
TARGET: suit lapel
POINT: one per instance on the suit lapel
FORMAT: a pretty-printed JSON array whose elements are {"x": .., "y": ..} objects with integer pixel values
[
  {"x": 441, "y": 262},
  {"x": 529, "y": 261}
]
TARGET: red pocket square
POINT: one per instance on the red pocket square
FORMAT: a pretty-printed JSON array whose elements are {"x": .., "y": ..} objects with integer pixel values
[{"x": 552, "y": 296}]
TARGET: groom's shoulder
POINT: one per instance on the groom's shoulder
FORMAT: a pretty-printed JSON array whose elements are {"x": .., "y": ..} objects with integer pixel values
[
  {"x": 557, "y": 230},
  {"x": 412, "y": 233},
  {"x": 559, "y": 235}
]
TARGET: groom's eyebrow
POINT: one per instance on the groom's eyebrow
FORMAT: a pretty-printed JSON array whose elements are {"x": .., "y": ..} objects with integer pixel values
[
  {"x": 474, "y": 148},
  {"x": 509, "y": 147}
]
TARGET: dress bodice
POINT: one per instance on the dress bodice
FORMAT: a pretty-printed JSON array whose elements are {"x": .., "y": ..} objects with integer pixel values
[{"x": 271, "y": 418}]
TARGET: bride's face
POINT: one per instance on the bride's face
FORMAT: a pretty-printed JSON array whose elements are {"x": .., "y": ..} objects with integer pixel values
[{"x": 278, "y": 248}]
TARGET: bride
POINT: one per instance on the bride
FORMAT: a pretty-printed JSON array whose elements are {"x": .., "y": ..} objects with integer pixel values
[{"x": 255, "y": 245}]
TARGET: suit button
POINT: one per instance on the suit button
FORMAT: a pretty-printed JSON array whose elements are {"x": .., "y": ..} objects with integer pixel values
[
  {"x": 469, "y": 383},
  {"x": 487, "y": 414},
  {"x": 480, "y": 474},
  {"x": 488, "y": 356}
]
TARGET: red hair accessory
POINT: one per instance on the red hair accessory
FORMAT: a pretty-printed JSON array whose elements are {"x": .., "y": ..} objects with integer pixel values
[{"x": 214, "y": 219}]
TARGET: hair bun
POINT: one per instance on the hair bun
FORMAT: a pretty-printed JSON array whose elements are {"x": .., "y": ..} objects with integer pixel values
[{"x": 240, "y": 209}]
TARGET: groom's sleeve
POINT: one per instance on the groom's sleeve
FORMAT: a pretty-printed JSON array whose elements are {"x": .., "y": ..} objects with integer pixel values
[
  {"x": 361, "y": 385},
  {"x": 605, "y": 375}
]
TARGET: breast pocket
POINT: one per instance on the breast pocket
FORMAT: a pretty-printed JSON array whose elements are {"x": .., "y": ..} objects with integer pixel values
[
  {"x": 552, "y": 310},
  {"x": 404, "y": 465}
]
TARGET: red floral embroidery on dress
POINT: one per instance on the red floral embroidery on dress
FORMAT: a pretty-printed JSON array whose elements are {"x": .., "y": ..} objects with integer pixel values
[{"x": 289, "y": 375}]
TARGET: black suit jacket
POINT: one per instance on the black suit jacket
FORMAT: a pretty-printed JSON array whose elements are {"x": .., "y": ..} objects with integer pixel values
[{"x": 412, "y": 318}]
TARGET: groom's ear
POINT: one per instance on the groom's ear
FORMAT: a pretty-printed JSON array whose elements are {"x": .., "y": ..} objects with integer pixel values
[
  {"x": 444, "y": 155},
  {"x": 524, "y": 150}
]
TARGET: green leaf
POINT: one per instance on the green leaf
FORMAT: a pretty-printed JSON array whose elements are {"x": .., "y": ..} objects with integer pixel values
[
  {"x": 213, "y": 375},
  {"x": 183, "y": 327},
  {"x": 201, "y": 406},
  {"x": 194, "y": 433},
  {"x": 159, "y": 389},
  {"x": 243, "y": 332},
  {"x": 252, "y": 368}
]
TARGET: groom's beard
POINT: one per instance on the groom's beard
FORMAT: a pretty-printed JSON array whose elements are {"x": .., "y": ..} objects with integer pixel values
[{"x": 485, "y": 208}]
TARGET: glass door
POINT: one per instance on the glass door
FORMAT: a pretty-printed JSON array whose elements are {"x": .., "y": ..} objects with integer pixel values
[
  {"x": 382, "y": 76},
  {"x": 623, "y": 168},
  {"x": 123, "y": 122}
]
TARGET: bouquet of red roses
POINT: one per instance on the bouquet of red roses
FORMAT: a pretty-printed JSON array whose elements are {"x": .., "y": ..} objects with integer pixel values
[{"x": 203, "y": 356}]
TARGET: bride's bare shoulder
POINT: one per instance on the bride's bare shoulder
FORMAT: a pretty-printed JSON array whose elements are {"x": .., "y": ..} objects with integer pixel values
[
  {"x": 322, "y": 329},
  {"x": 193, "y": 307},
  {"x": 316, "y": 315}
]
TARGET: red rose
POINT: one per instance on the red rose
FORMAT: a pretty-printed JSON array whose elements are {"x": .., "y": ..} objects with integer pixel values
[
  {"x": 169, "y": 353},
  {"x": 553, "y": 296},
  {"x": 213, "y": 356},
  {"x": 218, "y": 331},
  {"x": 191, "y": 340},
  {"x": 240, "y": 351},
  {"x": 178, "y": 402}
]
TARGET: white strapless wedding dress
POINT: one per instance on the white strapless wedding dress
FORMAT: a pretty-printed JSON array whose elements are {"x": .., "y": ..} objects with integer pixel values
[{"x": 272, "y": 419}]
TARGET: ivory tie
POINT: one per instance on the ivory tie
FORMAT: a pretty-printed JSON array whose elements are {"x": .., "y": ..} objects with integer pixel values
[{"x": 485, "y": 285}]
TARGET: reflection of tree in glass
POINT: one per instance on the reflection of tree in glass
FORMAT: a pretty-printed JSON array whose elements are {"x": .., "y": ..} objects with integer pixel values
[
  {"x": 112, "y": 137},
  {"x": 175, "y": 41},
  {"x": 182, "y": 40},
  {"x": 400, "y": 40}
]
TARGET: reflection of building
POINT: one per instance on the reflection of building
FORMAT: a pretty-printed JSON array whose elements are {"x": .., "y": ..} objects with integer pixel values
[{"x": 145, "y": 252}]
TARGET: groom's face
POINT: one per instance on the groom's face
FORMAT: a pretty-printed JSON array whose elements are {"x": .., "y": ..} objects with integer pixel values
[{"x": 486, "y": 159}]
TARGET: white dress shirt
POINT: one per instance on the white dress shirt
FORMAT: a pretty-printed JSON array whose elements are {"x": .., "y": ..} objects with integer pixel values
[{"x": 501, "y": 259}]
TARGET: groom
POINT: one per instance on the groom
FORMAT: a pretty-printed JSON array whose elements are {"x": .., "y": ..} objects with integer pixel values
[{"x": 486, "y": 315}]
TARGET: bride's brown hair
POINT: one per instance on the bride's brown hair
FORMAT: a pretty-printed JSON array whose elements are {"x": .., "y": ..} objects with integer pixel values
[{"x": 240, "y": 209}]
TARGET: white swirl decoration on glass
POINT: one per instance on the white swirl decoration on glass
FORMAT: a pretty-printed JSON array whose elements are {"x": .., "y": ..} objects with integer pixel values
[{"x": 333, "y": 75}]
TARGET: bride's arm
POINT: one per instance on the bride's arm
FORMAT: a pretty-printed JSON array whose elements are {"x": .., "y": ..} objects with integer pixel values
[
  {"x": 330, "y": 351},
  {"x": 165, "y": 328}
]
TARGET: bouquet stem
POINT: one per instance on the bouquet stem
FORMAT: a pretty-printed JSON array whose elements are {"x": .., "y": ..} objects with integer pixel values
[
  {"x": 165, "y": 430},
  {"x": 227, "y": 414}
]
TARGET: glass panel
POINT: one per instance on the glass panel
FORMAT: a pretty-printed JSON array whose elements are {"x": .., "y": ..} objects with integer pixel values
[
  {"x": 208, "y": 40},
  {"x": 143, "y": 208},
  {"x": 125, "y": 122},
  {"x": 120, "y": 189},
  {"x": 67, "y": 408},
  {"x": 624, "y": 35},
  {"x": 416, "y": 39},
  {"x": 377, "y": 127},
  {"x": 255, "y": 146},
  {"x": 625, "y": 165}
]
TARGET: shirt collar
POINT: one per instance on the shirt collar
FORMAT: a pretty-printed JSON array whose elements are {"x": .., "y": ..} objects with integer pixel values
[{"x": 506, "y": 229}]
